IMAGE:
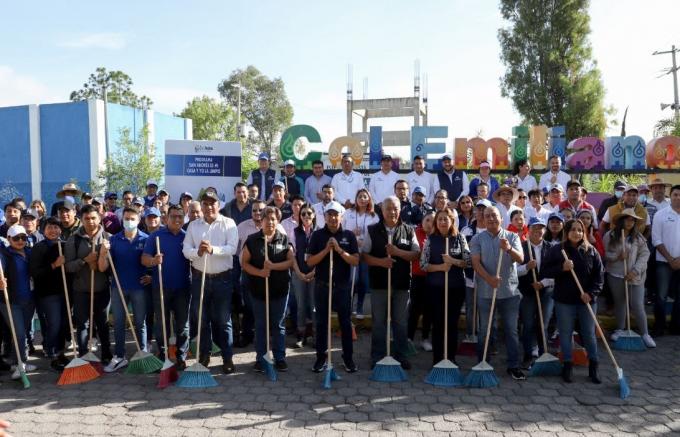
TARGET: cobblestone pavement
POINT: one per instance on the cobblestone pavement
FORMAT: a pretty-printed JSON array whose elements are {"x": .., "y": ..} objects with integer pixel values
[{"x": 245, "y": 403}]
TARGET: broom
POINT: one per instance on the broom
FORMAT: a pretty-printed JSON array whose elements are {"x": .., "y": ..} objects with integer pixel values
[
  {"x": 168, "y": 371},
  {"x": 445, "y": 373},
  {"x": 628, "y": 340},
  {"x": 91, "y": 342},
  {"x": 196, "y": 375},
  {"x": 267, "y": 359},
  {"x": 338, "y": 333},
  {"x": 482, "y": 375},
  {"x": 468, "y": 347},
  {"x": 546, "y": 364},
  {"x": 20, "y": 365},
  {"x": 624, "y": 389},
  {"x": 77, "y": 370},
  {"x": 330, "y": 375},
  {"x": 388, "y": 369},
  {"x": 141, "y": 362}
]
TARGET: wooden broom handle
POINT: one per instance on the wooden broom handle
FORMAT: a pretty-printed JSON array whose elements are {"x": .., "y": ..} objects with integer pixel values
[
  {"x": 389, "y": 299},
  {"x": 493, "y": 305},
  {"x": 11, "y": 324},
  {"x": 68, "y": 302},
  {"x": 625, "y": 280},
  {"x": 160, "y": 283},
  {"x": 330, "y": 300},
  {"x": 91, "y": 301},
  {"x": 266, "y": 291},
  {"x": 446, "y": 305},
  {"x": 200, "y": 306},
  {"x": 122, "y": 300},
  {"x": 538, "y": 301}
]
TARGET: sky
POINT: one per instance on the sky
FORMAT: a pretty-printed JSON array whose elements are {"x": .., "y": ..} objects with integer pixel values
[{"x": 176, "y": 50}]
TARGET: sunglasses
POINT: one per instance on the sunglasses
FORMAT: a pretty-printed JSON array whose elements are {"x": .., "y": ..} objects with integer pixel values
[
  {"x": 20, "y": 238},
  {"x": 522, "y": 197},
  {"x": 257, "y": 210},
  {"x": 175, "y": 216},
  {"x": 306, "y": 214}
]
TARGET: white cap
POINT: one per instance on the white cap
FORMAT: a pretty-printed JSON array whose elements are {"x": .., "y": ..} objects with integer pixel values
[
  {"x": 289, "y": 162},
  {"x": 15, "y": 230},
  {"x": 334, "y": 206},
  {"x": 151, "y": 182}
]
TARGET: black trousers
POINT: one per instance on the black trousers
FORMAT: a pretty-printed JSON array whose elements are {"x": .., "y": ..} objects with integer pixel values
[
  {"x": 436, "y": 307},
  {"x": 419, "y": 307}
]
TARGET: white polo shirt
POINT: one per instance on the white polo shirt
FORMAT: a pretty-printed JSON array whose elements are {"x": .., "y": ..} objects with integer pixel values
[
  {"x": 666, "y": 231},
  {"x": 425, "y": 180},
  {"x": 381, "y": 185},
  {"x": 345, "y": 186}
]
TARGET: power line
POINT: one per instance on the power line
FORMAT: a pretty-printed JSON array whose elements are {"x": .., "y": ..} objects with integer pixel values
[{"x": 674, "y": 70}]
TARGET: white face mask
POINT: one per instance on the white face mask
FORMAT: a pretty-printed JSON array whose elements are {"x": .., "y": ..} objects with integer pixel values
[
  {"x": 618, "y": 194},
  {"x": 642, "y": 198},
  {"x": 130, "y": 225}
]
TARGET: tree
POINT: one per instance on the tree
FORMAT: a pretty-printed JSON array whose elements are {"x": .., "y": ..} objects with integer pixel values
[
  {"x": 667, "y": 126},
  {"x": 212, "y": 120},
  {"x": 130, "y": 166},
  {"x": 118, "y": 87},
  {"x": 264, "y": 103},
  {"x": 550, "y": 74}
]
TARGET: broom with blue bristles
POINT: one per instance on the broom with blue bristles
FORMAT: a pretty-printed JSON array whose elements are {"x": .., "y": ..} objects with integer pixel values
[
  {"x": 388, "y": 369},
  {"x": 197, "y": 375},
  {"x": 628, "y": 340},
  {"x": 330, "y": 375},
  {"x": 267, "y": 359},
  {"x": 624, "y": 389},
  {"x": 142, "y": 362},
  {"x": 482, "y": 375},
  {"x": 547, "y": 364},
  {"x": 445, "y": 373}
]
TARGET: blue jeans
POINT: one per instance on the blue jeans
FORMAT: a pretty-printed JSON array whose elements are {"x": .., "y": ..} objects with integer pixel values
[
  {"x": 566, "y": 314},
  {"x": 247, "y": 323},
  {"x": 342, "y": 303},
  {"x": 177, "y": 306},
  {"x": 136, "y": 299},
  {"x": 216, "y": 318},
  {"x": 304, "y": 296},
  {"x": 22, "y": 314},
  {"x": 668, "y": 285},
  {"x": 81, "y": 315},
  {"x": 399, "y": 325},
  {"x": 52, "y": 308},
  {"x": 508, "y": 309},
  {"x": 277, "y": 327},
  {"x": 360, "y": 286},
  {"x": 530, "y": 323}
]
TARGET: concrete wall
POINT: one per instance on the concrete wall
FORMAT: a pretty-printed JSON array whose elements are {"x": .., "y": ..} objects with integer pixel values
[{"x": 15, "y": 162}]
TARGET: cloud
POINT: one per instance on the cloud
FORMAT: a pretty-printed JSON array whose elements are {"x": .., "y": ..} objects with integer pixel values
[
  {"x": 17, "y": 89},
  {"x": 102, "y": 40}
]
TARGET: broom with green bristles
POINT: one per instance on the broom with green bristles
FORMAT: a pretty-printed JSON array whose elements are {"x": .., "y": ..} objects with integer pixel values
[
  {"x": 482, "y": 375},
  {"x": 629, "y": 340},
  {"x": 89, "y": 356},
  {"x": 141, "y": 362},
  {"x": 197, "y": 375},
  {"x": 624, "y": 389},
  {"x": 20, "y": 364},
  {"x": 77, "y": 370},
  {"x": 168, "y": 371},
  {"x": 546, "y": 364}
]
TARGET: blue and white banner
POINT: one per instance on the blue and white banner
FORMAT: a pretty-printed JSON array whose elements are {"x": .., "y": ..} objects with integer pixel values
[{"x": 193, "y": 165}]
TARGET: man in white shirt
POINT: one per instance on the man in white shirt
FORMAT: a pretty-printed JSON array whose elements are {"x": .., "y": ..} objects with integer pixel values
[
  {"x": 382, "y": 182},
  {"x": 555, "y": 195},
  {"x": 535, "y": 208},
  {"x": 555, "y": 175},
  {"x": 524, "y": 179},
  {"x": 666, "y": 240},
  {"x": 659, "y": 200},
  {"x": 327, "y": 196},
  {"x": 420, "y": 178},
  {"x": 210, "y": 244},
  {"x": 346, "y": 183},
  {"x": 505, "y": 198},
  {"x": 315, "y": 182}
]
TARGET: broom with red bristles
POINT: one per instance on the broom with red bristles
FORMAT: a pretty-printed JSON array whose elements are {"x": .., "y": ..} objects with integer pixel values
[
  {"x": 168, "y": 371},
  {"x": 78, "y": 370},
  {"x": 90, "y": 357}
]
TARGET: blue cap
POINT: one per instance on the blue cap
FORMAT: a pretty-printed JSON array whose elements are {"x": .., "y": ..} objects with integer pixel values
[
  {"x": 138, "y": 201},
  {"x": 420, "y": 189},
  {"x": 110, "y": 194},
  {"x": 264, "y": 156},
  {"x": 556, "y": 215},
  {"x": 152, "y": 211},
  {"x": 280, "y": 184},
  {"x": 536, "y": 221},
  {"x": 446, "y": 156}
]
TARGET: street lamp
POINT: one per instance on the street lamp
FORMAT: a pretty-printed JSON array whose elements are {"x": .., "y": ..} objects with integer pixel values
[{"x": 238, "y": 109}]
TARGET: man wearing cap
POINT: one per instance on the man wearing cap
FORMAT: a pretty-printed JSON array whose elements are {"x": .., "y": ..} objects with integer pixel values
[
  {"x": 619, "y": 187},
  {"x": 555, "y": 175},
  {"x": 420, "y": 177},
  {"x": 70, "y": 223},
  {"x": 382, "y": 182},
  {"x": 527, "y": 286},
  {"x": 485, "y": 176},
  {"x": 658, "y": 188},
  {"x": 69, "y": 189},
  {"x": 293, "y": 183},
  {"x": 238, "y": 208},
  {"x": 455, "y": 182},
  {"x": 264, "y": 177},
  {"x": 418, "y": 205},
  {"x": 555, "y": 193},
  {"x": 210, "y": 244},
  {"x": 151, "y": 189},
  {"x": 327, "y": 196},
  {"x": 347, "y": 183},
  {"x": 138, "y": 204},
  {"x": 279, "y": 200},
  {"x": 343, "y": 244},
  {"x": 575, "y": 202},
  {"x": 12, "y": 211},
  {"x": 111, "y": 198},
  {"x": 315, "y": 183},
  {"x": 152, "y": 220},
  {"x": 86, "y": 198},
  {"x": 629, "y": 200},
  {"x": 505, "y": 198},
  {"x": 29, "y": 220},
  {"x": 163, "y": 196}
]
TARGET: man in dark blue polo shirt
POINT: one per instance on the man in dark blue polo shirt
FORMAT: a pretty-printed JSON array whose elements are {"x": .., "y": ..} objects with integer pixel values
[
  {"x": 346, "y": 254},
  {"x": 176, "y": 282}
]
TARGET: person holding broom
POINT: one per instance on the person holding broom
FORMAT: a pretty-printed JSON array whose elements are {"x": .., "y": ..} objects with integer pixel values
[
  {"x": 570, "y": 304},
  {"x": 273, "y": 263},
  {"x": 485, "y": 248},
  {"x": 435, "y": 260}
]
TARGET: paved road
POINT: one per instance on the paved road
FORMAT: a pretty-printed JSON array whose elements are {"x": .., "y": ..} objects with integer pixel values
[{"x": 246, "y": 403}]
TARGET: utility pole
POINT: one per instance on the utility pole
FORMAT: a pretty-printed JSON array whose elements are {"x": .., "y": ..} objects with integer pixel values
[
  {"x": 238, "y": 109},
  {"x": 674, "y": 70}
]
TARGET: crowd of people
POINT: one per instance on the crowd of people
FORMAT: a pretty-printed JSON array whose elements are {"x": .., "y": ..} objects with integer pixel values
[{"x": 402, "y": 231}]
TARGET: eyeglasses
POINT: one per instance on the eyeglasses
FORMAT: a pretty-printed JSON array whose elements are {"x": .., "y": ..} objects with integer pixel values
[
  {"x": 306, "y": 214},
  {"x": 175, "y": 216},
  {"x": 257, "y": 210},
  {"x": 20, "y": 238},
  {"x": 523, "y": 197},
  {"x": 441, "y": 197}
]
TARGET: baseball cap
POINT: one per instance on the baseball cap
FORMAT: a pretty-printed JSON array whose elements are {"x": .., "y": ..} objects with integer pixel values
[
  {"x": 186, "y": 194},
  {"x": 557, "y": 187},
  {"x": 483, "y": 202},
  {"x": 30, "y": 212},
  {"x": 334, "y": 206},
  {"x": 15, "y": 230},
  {"x": 264, "y": 156},
  {"x": 643, "y": 187},
  {"x": 208, "y": 195},
  {"x": 86, "y": 195},
  {"x": 619, "y": 185},
  {"x": 386, "y": 158},
  {"x": 110, "y": 194},
  {"x": 573, "y": 183},
  {"x": 484, "y": 164},
  {"x": 279, "y": 184},
  {"x": 420, "y": 190},
  {"x": 138, "y": 201},
  {"x": 151, "y": 182},
  {"x": 536, "y": 221},
  {"x": 152, "y": 211},
  {"x": 631, "y": 188},
  {"x": 68, "y": 203},
  {"x": 289, "y": 162},
  {"x": 97, "y": 201},
  {"x": 557, "y": 216},
  {"x": 162, "y": 191},
  {"x": 446, "y": 156}
]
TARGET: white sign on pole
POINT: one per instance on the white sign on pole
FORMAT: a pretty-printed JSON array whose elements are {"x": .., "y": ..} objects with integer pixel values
[{"x": 193, "y": 165}]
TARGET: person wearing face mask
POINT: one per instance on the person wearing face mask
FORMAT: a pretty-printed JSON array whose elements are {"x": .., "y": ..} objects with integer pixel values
[
  {"x": 619, "y": 187},
  {"x": 629, "y": 200}
]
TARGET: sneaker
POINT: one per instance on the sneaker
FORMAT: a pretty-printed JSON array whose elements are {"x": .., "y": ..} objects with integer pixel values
[
  {"x": 27, "y": 368},
  {"x": 616, "y": 334},
  {"x": 115, "y": 364},
  {"x": 360, "y": 316},
  {"x": 319, "y": 365},
  {"x": 257, "y": 367},
  {"x": 299, "y": 342},
  {"x": 281, "y": 366},
  {"x": 227, "y": 366},
  {"x": 426, "y": 345},
  {"x": 350, "y": 367},
  {"x": 527, "y": 362},
  {"x": 649, "y": 341},
  {"x": 517, "y": 374},
  {"x": 180, "y": 364}
]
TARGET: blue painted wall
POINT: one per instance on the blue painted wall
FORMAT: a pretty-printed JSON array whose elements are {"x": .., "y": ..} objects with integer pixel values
[
  {"x": 65, "y": 146},
  {"x": 123, "y": 117},
  {"x": 166, "y": 127},
  {"x": 15, "y": 151}
]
